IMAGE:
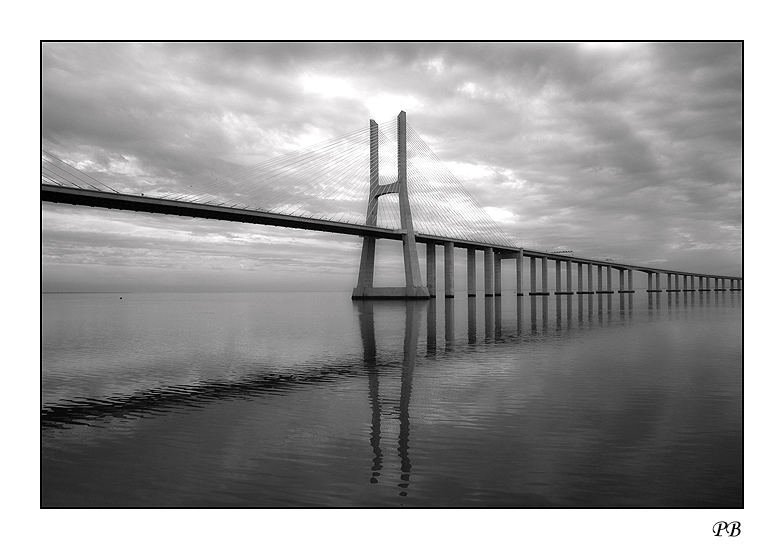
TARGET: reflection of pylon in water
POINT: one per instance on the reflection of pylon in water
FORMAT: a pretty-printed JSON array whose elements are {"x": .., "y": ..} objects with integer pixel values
[{"x": 411, "y": 337}]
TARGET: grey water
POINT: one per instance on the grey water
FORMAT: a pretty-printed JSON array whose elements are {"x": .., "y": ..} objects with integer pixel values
[{"x": 310, "y": 400}]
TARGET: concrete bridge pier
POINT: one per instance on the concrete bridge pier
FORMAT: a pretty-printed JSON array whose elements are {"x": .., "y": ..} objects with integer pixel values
[
  {"x": 654, "y": 287},
  {"x": 677, "y": 283},
  {"x": 519, "y": 274},
  {"x": 471, "y": 271},
  {"x": 599, "y": 280},
  {"x": 609, "y": 289},
  {"x": 543, "y": 287},
  {"x": 716, "y": 287},
  {"x": 669, "y": 283},
  {"x": 449, "y": 269},
  {"x": 558, "y": 288},
  {"x": 621, "y": 284},
  {"x": 430, "y": 249},
  {"x": 488, "y": 272},
  {"x": 497, "y": 272},
  {"x": 589, "y": 266},
  {"x": 628, "y": 290},
  {"x": 532, "y": 276}
]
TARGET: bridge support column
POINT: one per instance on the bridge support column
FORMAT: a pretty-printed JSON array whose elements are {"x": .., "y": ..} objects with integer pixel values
[
  {"x": 471, "y": 271},
  {"x": 532, "y": 265},
  {"x": 569, "y": 276},
  {"x": 589, "y": 266},
  {"x": 519, "y": 272},
  {"x": 488, "y": 272},
  {"x": 497, "y": 273},
  {"x": 599, "y": 279},
  {"x": 631, "y": 281},
  {"x": 430, "y": 249},
  {"x": 650, "y": 282},
  {"x": 544, "y": 277},
  {"x": 658, "y": 282},
  {"x": 413, "y": 288},
  {"x": 677, "y": 283},
  {"x": 579, "y": 278},
  {"x": 557, "y": 277},
  {"x": 625, "y": 275},
  {"x": 449, "y": 269},
  {"x": 609, "y": 280},
  {"x": 669, "y": 282}
]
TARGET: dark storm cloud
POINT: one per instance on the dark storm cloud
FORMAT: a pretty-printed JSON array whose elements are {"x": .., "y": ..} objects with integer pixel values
[{"x": 631, "y": 151}]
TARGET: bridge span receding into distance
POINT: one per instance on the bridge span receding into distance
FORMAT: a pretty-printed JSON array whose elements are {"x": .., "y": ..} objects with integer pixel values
[{"x": 57, "y": 188}]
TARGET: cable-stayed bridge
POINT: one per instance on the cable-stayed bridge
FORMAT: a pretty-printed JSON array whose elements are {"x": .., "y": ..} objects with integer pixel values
[{"x": 379, "y": 182}]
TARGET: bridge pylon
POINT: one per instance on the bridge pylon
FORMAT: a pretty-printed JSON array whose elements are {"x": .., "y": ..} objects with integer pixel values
[{"x": 413, "y": 288}]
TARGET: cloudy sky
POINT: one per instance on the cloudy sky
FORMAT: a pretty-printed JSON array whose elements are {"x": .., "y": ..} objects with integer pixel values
[{"x": 623, "y": 151}]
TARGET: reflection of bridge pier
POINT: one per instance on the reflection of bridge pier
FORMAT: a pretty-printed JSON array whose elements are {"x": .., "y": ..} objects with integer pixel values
[
  {"x": 449, "y": 322},
  {"x": 471, "y": 320},
  {"x": 498, "y": 320},
  {"x": 488, "y": 318},
  {"x": 432, "y": 325},
  {"x": 533, "y": 313},
  {"x": 519, "y": 314},
  {"x": 410, "y": 339}
]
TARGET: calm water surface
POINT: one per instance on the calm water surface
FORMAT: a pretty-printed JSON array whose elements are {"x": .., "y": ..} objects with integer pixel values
[{"x": 311, "y": 400}]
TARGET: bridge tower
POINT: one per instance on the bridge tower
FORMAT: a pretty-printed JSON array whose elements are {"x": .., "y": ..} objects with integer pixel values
[{"x": 413, "y": 288}]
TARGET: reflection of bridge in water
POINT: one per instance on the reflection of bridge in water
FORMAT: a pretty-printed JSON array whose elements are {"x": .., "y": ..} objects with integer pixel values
[{"x": 495, "y": 321}]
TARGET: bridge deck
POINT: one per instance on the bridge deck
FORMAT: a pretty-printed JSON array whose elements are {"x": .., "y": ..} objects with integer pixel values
[{"x": 118, "y": 201}]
